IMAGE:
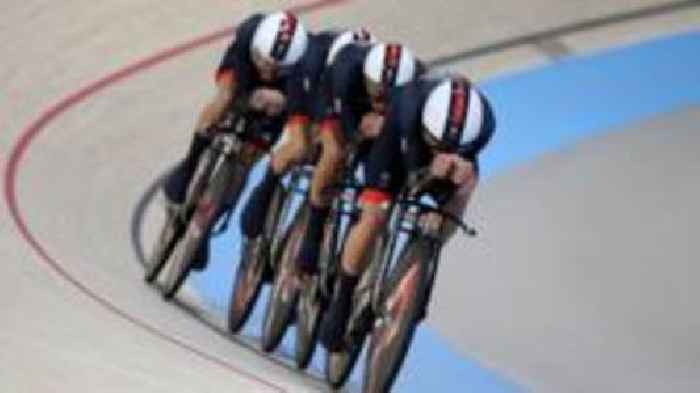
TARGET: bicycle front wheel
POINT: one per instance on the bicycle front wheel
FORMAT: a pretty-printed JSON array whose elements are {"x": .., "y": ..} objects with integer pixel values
[
  {"x": 400, "y": 305},
  {"x": 169, "y": 235},
  {"x": 246, "y": 285},
  {"x": 285, "y": 289},
  {"x": 207, "y": 209},
  {"x": 340, "y": 364}
]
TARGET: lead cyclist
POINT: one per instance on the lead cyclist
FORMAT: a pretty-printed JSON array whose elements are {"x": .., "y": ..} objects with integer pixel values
[{"x": 440, "y": 124}]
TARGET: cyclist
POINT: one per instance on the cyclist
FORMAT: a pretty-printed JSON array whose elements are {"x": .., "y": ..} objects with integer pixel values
[
  {"x": 441, "y": 124},
  {"x": 295, "y": 144},
  {"x": 354, "y": 90},
  {"x": 253, "y": 75}
]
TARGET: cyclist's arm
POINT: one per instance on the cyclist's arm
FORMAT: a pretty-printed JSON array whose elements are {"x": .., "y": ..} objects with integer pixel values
[
  {"x": 460, "y": 197},
  {"x": 299, "y": 101},
  {"x": 343, "y": 74},
  {"x": 216, "y": 107},
  {"x": 233, "y": 69}
]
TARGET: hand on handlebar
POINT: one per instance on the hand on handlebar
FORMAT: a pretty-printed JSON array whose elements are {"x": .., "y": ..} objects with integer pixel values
[
  {"x": 442, "y": 166},
  {"x": 453, "y": 167},
  {"x": 433, "y": 217}
]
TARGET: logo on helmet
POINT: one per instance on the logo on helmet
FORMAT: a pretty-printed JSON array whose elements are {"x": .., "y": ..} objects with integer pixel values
[
  {"x": 283, "y": 41},
  {"x": 457, "y": 112},
  {"x": 392, "y": 58}
]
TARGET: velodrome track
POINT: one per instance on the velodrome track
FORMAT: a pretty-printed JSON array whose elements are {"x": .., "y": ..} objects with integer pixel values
[{"x": 574, "y": 286}]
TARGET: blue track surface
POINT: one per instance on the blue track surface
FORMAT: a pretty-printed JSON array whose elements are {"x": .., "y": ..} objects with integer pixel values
[
  {"x": 538, "y": 111},
  {"x": 555, "y": 106}
]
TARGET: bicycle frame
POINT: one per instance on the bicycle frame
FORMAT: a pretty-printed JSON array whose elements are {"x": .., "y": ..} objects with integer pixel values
[
  {"x": 234, "y": 144},
  {"x": 296, "y": 188},
  {"x": 404, "y": 228},
  {"x": 344, "y": 212}
]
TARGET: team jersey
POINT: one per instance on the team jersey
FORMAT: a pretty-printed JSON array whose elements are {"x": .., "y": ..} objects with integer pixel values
[
  {"x": 303, "y": 85},
  {"x": 342, "y": 89},
  {"x": 401, "y": 148}
]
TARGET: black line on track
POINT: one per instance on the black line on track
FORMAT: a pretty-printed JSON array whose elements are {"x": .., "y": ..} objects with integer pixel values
[{"x": 548, "y": 35}]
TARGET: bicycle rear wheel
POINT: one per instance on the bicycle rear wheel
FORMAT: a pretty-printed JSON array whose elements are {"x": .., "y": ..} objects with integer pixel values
[{"x": 246, "y": 286}]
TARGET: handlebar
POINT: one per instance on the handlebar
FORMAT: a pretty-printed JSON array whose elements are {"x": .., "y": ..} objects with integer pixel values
[
  {"x": 418, "y": 181},
  {"x": 416, "y": 186},
  {"x": 466, "y": 228},
  {"x": 244, "y": 125}
]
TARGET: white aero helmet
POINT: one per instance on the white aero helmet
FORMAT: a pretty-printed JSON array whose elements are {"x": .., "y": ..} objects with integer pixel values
[
  {"x": 281, "y": 37},
  {"x": 388, "y": 65},
  {"x": 360, "y": 35},
  {"x": 453, "y": 115}
]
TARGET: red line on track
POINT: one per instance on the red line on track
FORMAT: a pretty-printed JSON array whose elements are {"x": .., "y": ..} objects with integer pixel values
[{"x": 29, "y": 134}]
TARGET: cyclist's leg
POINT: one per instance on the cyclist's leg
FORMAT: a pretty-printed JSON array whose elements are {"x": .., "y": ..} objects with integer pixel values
[
  {"x": 293, "y": 147},
  {"x": 175, "y": 187},
  {"x": 326, "y": 173},
  {"x": 354, "y": 261},
  {"x": 290, "y": 150},
  {"x": 384, "y": 177}
]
